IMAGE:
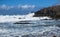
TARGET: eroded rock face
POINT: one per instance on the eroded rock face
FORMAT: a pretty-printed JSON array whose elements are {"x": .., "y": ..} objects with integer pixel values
[{"x": 53, "y": 12}]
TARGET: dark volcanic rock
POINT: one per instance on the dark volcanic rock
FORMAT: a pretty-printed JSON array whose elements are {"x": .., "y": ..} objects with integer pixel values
[
  {"x": 53, "y": 12},
  {"x": 24, "y": 22}
]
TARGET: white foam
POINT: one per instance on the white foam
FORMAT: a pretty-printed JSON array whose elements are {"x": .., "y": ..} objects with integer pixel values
[
  {"x": 46, "y": 32},
  {"x": 15, "y": 18}
]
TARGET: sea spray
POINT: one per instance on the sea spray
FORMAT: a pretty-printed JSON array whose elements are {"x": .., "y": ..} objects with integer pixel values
[{"x": 16, "y": 18}]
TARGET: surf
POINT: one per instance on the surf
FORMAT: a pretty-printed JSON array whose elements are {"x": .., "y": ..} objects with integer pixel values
[{"x": 16, "y": 18}]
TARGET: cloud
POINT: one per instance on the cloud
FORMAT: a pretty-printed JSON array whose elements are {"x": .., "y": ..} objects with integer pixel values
[
  {"x": 3, "y": 6},
  {"x": 27, "y": 6},
  {"x": 6, "y": 7}
]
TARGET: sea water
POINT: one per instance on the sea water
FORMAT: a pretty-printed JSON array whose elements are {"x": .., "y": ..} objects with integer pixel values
[{"x": 39, "y": 27}]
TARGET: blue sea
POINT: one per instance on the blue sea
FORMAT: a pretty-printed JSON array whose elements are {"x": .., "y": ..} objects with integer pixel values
[{"x": 34, "y": 27}]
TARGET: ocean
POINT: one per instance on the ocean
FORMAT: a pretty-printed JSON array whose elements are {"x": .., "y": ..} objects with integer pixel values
[{"x": 28, "y": 26}]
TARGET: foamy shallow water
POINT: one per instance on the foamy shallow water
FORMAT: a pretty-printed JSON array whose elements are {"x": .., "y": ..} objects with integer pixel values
[
  {"x": 38, "y": 28},
  {"x": 42, "y": 28}
]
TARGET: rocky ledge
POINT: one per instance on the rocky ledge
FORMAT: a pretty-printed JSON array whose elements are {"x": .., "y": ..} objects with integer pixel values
[{"x": 53, "y": 12}]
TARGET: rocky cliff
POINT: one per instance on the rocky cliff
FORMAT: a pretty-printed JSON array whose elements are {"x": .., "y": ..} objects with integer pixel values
[{"x": 53, "y": 12}]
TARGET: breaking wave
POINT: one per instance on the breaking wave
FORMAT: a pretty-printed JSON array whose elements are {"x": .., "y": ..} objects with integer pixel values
[
  {"x": 42, "y": 28},
  {"x": 15, "y": 18}
]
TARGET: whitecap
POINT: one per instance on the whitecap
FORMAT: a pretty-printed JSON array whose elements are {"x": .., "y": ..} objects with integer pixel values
[{"x": 15, "y": 18}]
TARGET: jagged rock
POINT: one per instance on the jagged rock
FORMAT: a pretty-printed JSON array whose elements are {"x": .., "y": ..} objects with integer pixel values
[{"x": 53, "y": 12}]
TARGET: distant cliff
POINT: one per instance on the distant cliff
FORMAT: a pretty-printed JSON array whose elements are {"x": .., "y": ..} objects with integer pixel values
[{"x": 53, "y": 12}]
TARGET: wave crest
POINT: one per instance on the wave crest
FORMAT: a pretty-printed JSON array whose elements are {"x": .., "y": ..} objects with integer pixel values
[{"x": 15, "y": 18}]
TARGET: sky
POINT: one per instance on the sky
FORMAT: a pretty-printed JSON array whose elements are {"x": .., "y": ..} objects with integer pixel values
[
  {"x": 43, "y": 3},
  {"x": 23, "y": 6}
]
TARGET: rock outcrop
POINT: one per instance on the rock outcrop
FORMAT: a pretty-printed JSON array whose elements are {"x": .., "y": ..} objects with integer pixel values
[{"x": 53, "y": 12}]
